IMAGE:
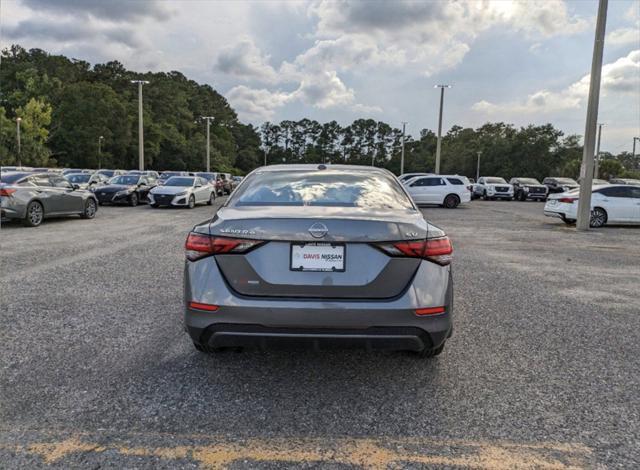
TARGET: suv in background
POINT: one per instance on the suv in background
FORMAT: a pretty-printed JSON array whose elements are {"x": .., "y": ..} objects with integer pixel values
[
  {"x": 560, "y": 185},
  {"x": 528, "y": 188},
  {"x": 493, "y": 187},
  {"x": 444, "y": 190}
]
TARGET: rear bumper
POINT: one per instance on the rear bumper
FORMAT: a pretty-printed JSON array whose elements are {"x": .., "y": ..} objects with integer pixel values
[
  {"x": 256, "y": 336},
  {"x": 12, "y": 208},
  {"x": 318, "y": 323}
]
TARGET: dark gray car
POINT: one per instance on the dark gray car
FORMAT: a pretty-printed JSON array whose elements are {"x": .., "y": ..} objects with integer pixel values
[
  {"x": 34, "y": 197},
  {"x": 319, "y": 255}
]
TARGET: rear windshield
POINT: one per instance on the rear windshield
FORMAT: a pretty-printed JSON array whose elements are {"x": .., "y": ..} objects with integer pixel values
[
  {"x": 179, "y": 181},
  {"x": 10, "y": 178},
  {"x": 80, "y": 178},
  {"x": 322, "y": 188},
  {"x": 125, "y": 179},
  {"x": 566, "y": 181},
  {"x": 169, "y": 174},
  {"x": 495, "y": 181}
]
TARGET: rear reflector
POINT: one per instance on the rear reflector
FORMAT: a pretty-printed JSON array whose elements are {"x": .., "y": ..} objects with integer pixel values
[
  {"x": 199, "y": 245},
  {"x": 568, "y": 200},
  {"x": 206, "y": 307},
  {"x": 438, "y": 250},
  {"x": 429, "y": 311},
  {"x": 7, "y": 192}
]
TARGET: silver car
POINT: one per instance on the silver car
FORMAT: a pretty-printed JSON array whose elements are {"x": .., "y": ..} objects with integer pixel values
[
  {"x": 33, "y": 197},
  {"x": 182, "y": 191},
  {"x": 319, "y": 255}
]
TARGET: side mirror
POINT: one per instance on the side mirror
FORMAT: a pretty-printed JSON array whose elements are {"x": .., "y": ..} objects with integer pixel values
[
  {"x": 198, "y": 185},
  {"x": 75, "y": 186}
]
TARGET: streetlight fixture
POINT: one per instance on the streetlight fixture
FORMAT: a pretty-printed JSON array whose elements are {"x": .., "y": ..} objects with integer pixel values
[
  {"x": 404, "y": 124},
  {"x": 100, "y": 139},
  {"x": 18, "y": 121},
  {"x": 586, "y": 171},
  {"x": 438, "y": 146},
  {"x": 208, "y": 119},
  {"x": 140, "y": 126}
]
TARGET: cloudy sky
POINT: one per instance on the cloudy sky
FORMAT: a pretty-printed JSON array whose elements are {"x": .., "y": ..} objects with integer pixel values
[{"x": 519, "y": 62}]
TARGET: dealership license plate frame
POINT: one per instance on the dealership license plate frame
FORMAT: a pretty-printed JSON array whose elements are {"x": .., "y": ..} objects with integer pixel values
[{"x": 295, "y": 246}]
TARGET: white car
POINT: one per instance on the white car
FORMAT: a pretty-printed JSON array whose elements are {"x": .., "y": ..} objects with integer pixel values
[
  {"x": 182, "y": 191},
  {"x": 493, "y": 187},
  {"x": 610, "y": 203},
  {"x": 444, "y": 190}
]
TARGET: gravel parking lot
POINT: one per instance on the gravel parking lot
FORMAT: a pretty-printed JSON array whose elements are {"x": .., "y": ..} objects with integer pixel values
[{"x": 542, "y": 369}]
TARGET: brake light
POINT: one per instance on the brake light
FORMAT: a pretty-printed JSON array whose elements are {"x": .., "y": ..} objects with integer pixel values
[
  {"x": 437, "y": 250},
  {"x": 568, "y": 200},
  {"x": 201, "y": 306},
  {"x": 199, "y": 245},
  {"x": 7, "y": 192},
  {"x": 430, "y": 311}
]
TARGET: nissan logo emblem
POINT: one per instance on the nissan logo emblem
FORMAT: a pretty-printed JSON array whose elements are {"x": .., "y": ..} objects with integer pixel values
[{"x": 318, "y": 230}]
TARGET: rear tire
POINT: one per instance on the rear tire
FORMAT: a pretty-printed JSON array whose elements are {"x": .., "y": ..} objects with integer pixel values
[
  {"x": 133, "y": 200},
  {"x": 429, "y": 353},
  {"x": 90, "y": 209},
  {"x": 598, "y": 217},
  {"x": 34, "y": 215},
  {"x": 451, "y": 201}
]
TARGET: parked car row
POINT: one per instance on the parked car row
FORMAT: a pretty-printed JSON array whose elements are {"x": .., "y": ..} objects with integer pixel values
[{"x": 31, "y": 196}]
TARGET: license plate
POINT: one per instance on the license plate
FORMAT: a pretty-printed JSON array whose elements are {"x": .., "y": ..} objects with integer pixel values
[{"x": 317, "y": 257}]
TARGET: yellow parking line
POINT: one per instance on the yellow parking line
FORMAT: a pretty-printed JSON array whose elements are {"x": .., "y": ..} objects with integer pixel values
[{"x": 379, "y": 453}]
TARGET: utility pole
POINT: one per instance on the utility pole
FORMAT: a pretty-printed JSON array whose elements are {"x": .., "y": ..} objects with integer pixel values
[
  {"x": 19, "y": 119},
  {"x": 439, "y": 145},
  {"x": 140, "y": 126},
  {"x": 637, "y": 164},
  {"x": 208, "y": 119},
  {"x": 597, "y": 159},
  {"x": 478, "y": 167},
  {"x": 586, "y": 171},
  {"x": 266, "y": 151},
  {"x": 404, "y": 125},
  {"x": 100, "y": 152}
]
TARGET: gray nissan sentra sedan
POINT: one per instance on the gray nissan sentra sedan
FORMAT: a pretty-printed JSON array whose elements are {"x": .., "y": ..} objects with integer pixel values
[{"x": 320, "y": 256}]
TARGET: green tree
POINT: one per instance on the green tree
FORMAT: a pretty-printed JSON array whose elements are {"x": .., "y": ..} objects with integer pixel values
[{"x": 35, "y": 118}]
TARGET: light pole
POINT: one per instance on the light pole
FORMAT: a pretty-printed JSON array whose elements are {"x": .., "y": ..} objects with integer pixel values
[
  {"x": 404, "y": 124},
  {"x": 100, "y": 139},
  {"x": 634, "y": 151},
  {"x": 439, "y": 144},
  {"x": 597, "y": 157},
  {"x": 478, "y": 167},
  {"x": 266, "y": 151},
  {"x": 208, "y": 119},
  {"x": 586, "y": 171},
  {"x": 19, "y": 119},
  {"x": 140, "y": 127}
]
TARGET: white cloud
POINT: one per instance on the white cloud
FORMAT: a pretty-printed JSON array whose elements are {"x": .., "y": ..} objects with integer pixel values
[
  {"x": 245, "y": 61},
  {"x": 621, "y": 76},
  {"x": 257, "y": 104},
  {"x": 623, "y": 37}
]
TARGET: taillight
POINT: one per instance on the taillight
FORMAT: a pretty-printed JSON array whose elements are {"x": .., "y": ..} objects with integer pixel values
[
  {"x": 199, "y": 245},
  {"x": 7, "y": 191},
  {"x": 205, "y": 307},
  {"x": 568, "y": 200},
  {"x": 430, "y": 311},
  {"x": 438, "y": 250}
]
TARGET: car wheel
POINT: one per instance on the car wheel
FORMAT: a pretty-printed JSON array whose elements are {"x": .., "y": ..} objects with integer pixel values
[
  {"x": 568, "y": 221},
  {"x": 34, "y": 216},
  {"x": 90, "y": 209},
  {"x": 521, "y": 196},
  {"x": 133, "y": 200},
  {"x": 428, "y": 353},
  {"x": 192, "y": 202},
  {"x": 451, "y": 201},
  {"x": 598, "y": 217},
  {"x": 154, "y": 205},
  {"x": 212, "y": 198},
  {"x": 484, "y": 196}
]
